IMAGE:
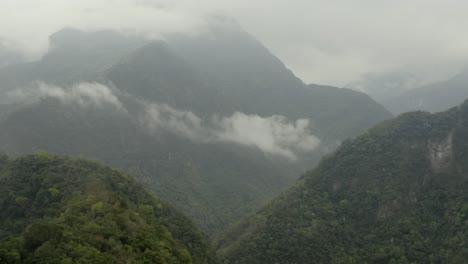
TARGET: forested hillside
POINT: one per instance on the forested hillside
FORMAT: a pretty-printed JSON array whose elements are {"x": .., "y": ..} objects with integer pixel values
[
  {"x": 63, "y": 210},
  {"x": 396, "y": 194}
]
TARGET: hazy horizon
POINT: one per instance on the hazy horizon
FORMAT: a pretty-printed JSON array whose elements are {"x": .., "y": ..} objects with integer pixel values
[{"x": 321, "y": 42}]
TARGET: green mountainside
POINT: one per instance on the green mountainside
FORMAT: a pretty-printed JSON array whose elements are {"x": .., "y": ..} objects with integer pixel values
[
  {"x": 396, "y": 194},
  {"x": 63, "y": 210}
]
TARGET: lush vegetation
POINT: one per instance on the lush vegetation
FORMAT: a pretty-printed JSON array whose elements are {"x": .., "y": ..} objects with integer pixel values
[
  {"x": 63, "y": 210},
  {"x": 397, "y": 194}
]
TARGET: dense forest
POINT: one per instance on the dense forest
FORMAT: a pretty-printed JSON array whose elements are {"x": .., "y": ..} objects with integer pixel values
[
  {"x": 396, "y": 194},
  {"x": 63, "y": 210}
]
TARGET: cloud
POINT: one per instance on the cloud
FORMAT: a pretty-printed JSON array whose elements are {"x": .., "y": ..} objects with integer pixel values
[
  {"x": 185, "y": 123},
  {"x": 84, "y": 94},
  {"x": 273, "y": 135}
]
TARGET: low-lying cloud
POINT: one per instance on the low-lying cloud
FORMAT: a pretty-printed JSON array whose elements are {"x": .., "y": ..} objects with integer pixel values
[
  {"x": 274, "y": 135},
  {"x": 185, "y": 123},
  {"x": 84, "y": 94}
]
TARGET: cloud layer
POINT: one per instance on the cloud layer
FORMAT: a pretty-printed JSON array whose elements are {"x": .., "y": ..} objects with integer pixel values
[
  {"x": 273, "y": 135},
  {"x": 330, "y": 42}
]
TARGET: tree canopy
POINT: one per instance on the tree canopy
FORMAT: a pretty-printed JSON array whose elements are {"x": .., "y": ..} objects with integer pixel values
[{"x": 64, "y": 210}]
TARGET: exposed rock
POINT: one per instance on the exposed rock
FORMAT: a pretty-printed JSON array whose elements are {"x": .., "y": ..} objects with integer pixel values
[{"x": 440, "y": 152}]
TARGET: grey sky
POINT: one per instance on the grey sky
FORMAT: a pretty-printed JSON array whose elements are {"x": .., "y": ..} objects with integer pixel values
[{"x": 322, "y": 41}]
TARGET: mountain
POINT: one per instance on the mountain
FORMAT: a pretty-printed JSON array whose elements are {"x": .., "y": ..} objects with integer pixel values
[
  {"x": 395, "y": 194},
  {"x": 155, "y": 72},
  {"x": 63, "y": 210},
  {"x": 435, "y": 97},
  {"x": 213, "y": 123}
]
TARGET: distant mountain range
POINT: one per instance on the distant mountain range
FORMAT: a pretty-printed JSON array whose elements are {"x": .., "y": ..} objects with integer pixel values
[
  {"x": 385, "y": 86},
  {"x": 402, "y": 92},
  {"x": 435, "y": 97},
  {"x": 213, "y": 123}
]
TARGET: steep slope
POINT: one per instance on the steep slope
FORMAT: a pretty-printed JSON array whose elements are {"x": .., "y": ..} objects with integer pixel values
[
  {"x": 396, "y": 194},
  {"x": 56, "y": 210},
  {"x": 433, "y": 98},
  {"x": 155, "y": 73},
  {"x": 203, "y": 78}
]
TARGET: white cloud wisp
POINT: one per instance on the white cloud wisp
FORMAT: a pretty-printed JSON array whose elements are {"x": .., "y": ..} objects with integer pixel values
[
  {"x": 84, "y": 94},
  {"x": 274, "y": 135}
]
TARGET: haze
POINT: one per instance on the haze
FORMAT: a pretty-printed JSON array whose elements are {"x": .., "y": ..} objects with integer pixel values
[{"x": 328, "y": 42}]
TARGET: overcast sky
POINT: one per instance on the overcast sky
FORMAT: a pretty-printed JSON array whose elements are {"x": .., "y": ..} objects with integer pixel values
[{"x": 322, "y": 41}]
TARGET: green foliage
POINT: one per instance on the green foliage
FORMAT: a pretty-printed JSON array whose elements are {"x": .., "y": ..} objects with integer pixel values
[
  {"x": 396, "y": 194},
  {"x": 61, "y": 210},
  {"x": 53, "y": 192}
]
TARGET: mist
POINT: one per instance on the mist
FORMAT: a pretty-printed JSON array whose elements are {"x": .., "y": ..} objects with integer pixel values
[{"x": 322, "y": 42}]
